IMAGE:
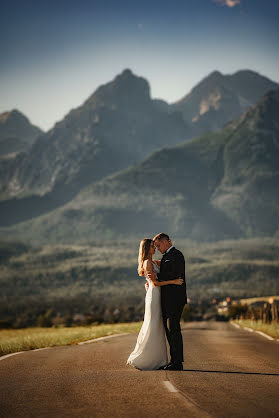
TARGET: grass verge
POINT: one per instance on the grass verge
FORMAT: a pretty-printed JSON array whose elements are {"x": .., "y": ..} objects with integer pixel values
[
  {"x": 269, "y": 329},
  {"x": 13, "y": 340}
]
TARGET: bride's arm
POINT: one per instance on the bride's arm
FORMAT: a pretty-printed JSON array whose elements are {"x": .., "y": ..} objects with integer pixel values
[
  {"x": 147, "y": 266},
  {"x": 158, "y": 262}
]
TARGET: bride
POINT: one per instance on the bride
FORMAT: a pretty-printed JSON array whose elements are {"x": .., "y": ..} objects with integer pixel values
[{"x": 150, "y": 352}]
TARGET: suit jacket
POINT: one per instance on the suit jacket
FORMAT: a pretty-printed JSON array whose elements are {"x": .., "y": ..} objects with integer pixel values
[{"x": 173, "y": 267}]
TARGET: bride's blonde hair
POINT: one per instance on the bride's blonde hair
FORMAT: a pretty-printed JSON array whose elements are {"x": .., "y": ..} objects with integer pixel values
[{"x": 144, "y": 249}]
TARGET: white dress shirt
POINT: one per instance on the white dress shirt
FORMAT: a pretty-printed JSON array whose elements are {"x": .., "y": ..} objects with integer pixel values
[{"x": 169, "y": 249}]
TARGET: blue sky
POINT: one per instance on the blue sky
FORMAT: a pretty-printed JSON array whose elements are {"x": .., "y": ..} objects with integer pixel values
[{"x": 55, "y": 54}]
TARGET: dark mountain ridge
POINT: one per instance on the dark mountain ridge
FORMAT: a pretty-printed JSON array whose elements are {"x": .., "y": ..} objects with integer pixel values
[
  {"x": 219, "y": 98},
  {"x": 217, "y": 186},
  {"x": 117, "y": 126}
]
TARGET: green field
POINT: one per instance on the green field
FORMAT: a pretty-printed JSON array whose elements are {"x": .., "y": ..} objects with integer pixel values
[
  {"x": 271, "y": 329},
  {"x": 12, "y": 341}
]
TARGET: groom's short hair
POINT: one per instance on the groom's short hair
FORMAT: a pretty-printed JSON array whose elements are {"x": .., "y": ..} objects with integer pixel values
[{"x": 161, "y": 236}]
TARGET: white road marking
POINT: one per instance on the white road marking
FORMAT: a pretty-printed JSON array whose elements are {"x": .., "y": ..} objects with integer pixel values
[
  {"x": 12, "y": 354},
  {"x": 265, "y": 335},
  {"x": 169, "y": 386},
  {"x": 253, "y": 330},
  {"x": 38, "y": 349},
  {"x": 95, "y": 340},
  {"x": 235, "y": 325},
  {"x": 249, "y": 329},
  {"x": 195, "y": 411}
]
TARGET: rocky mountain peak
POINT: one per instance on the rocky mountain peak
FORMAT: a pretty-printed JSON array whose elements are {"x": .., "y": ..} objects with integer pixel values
[
  {"x": 213, "y": 79},
  {"x": 12, "y": 116},
  {"x": 16, "y": 132},
  {"x": 125, "y": 89},
  {"x": 214, "y": 75},
  {"x": 220, "y": 98},
  {"x": 14, "y": 124}
]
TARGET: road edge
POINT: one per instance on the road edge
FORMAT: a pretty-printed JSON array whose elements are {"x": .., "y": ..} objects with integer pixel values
[
  {"x": 63, "y": 345},
  {"x": 263, "y": 334}
]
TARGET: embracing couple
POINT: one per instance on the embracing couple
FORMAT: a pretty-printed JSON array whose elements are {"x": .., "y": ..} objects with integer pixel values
[{"x": 164, "y": 302}]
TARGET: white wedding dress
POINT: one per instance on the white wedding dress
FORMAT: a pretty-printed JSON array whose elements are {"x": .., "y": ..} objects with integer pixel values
[{"x": 151, "y": 349}]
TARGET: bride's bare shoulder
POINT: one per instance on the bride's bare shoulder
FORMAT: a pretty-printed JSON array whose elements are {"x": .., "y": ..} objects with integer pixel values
[{"x": 147, "y": 265}]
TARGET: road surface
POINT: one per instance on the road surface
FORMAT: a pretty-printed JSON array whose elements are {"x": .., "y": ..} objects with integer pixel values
[{"x": 228, "y": 372}]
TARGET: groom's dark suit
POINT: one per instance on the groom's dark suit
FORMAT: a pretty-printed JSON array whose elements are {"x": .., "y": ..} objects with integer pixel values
[{"x": 173, "y": 299}]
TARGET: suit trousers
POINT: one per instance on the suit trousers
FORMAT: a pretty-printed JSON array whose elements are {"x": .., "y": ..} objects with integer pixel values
[{"x": 173, "y": 332}]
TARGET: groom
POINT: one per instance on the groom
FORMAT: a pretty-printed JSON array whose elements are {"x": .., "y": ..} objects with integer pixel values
[{"x": 173, "y": 297}]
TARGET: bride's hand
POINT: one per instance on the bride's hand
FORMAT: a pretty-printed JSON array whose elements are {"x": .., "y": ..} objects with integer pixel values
[
  {"x": 177, "y": 281},
  {"x": 156, "y": 283},
  {"x": 152, "y": 276}
]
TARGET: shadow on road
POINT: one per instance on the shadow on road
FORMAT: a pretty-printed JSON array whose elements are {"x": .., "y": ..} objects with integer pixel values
[{"x": 221, "y": 371}]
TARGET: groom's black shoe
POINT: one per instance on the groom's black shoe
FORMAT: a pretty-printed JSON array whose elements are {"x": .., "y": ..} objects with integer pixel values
[
  {"x": 164, "y": 367},
  {"x": 176, "y": 365}
]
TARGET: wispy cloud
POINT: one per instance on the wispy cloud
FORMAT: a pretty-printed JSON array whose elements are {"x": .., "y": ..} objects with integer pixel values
[{"x": 229, "y": 3}]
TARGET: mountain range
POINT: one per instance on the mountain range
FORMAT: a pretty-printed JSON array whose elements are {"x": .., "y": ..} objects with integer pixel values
[
  {"x": 219, "y": 185},
  {"x": 220, "y": 98},
  {"x": 116, "y": 127},
  {"x": 16, "y": 132},
  {"x": 213, "y": 186}
]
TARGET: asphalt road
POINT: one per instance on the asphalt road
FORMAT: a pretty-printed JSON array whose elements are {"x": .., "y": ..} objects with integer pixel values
[{"x": 228, "y": 372}]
